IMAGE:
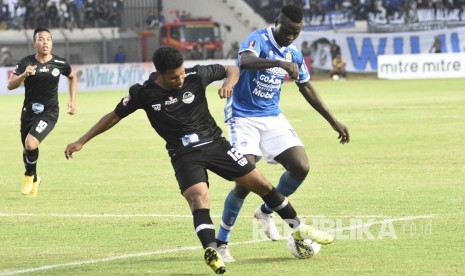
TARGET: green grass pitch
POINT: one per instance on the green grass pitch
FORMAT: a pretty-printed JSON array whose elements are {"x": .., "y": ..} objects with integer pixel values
[{"x": 395, "y": 194}]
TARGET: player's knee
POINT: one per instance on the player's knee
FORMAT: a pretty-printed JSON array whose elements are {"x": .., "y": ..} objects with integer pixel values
[
  {"x": 30, "y": 144},
  {"x": 300, "y": 170},
  {"x": 240, "y": 192}
]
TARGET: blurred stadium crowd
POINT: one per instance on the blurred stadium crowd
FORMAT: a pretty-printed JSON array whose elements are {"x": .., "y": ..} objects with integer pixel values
[
  {"x": 28, "y": 14},
  {"x": 269, "y": 9}
]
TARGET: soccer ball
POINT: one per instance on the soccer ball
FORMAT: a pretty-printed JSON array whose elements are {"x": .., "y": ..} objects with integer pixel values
[
  {"x": 336, "y": 77},
  {"x": 303, "y": 249}
]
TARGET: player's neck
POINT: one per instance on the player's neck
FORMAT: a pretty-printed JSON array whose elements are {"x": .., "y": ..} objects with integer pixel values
[{"x": 43, "y": 58}]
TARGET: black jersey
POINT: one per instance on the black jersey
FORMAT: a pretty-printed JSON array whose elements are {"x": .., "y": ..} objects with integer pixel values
[
  {"x": 181, "y": 117},
  {"x": 41, "y": 89}
]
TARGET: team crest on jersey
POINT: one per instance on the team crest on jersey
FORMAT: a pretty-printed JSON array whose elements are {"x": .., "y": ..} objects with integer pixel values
[
  {"x": 288, "y": 56},
  {"x": 188, "y": 97},
  {"x": 55, "y": 72},
  {"x": 43, "y": 69},
  {"x": 252, "y": 44},
  {"x": 126, "y": 100}
]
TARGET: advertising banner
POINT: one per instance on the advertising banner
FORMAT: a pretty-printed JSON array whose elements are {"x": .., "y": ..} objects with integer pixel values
[
  {"x": 92, "y": 77},
  {"x": 424, "y": 66},
  {"x": 361, "y": 50}
]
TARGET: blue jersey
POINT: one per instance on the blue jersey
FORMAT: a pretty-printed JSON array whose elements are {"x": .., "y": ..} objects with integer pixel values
[{"x": 257, "y": 93}]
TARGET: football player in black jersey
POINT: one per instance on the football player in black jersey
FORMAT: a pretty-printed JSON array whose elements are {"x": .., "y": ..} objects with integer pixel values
[
  {"x": 40, "y": 73},
  {"x": 175, "y": 103}
]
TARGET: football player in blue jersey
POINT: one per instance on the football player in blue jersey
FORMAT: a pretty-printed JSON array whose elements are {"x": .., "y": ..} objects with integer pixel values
[{"x": 255, "y": 123}]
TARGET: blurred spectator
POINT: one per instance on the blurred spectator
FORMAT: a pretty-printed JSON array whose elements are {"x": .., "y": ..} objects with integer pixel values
[
  {"x": 306, "y": 52},
  {"x": 196, "y": 53},
  {"x": 151, "y": 21},
  {"x": 437, "y": 46},
  {"x": 305, "y": 49},
  {"x": 7, "y": 58},
  {"x": 52, "y": 15},
  {"x": 120, "y": 56},
  {"x": 218, "y": 54},
  {"x": 63, "y": 15},
  {"x": 335, "y": 49},
  {"x": 232, "y": 53},
  {"x": 339, "y": 68}
]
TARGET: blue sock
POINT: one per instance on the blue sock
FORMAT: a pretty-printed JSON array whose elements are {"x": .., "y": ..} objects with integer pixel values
[
  {"x": 232, "y": 207},
  {"x": 287, "y": 186}
]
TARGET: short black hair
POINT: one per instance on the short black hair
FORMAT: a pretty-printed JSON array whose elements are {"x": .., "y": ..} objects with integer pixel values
[
  {"x": 38, "y": 30},
  {"x": 293, "y": 12},
  {"x": 167, "y": 58}
]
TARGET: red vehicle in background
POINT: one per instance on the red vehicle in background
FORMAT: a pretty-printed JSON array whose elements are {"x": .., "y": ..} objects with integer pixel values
[{"x": 192, "y": 35}]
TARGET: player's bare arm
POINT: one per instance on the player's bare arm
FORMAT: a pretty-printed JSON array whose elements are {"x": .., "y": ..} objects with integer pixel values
[
  {"x": 313, "y": 98},
  {"x": 250, "y": 61},
  {"x": 232, "y": 76},
  {"x": 72, "y": 77},
  {"x": 104, "y": 124},
  {"x": 15, "y": 81}
]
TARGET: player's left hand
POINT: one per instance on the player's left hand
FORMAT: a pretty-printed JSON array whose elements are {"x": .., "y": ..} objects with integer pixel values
[
  {"x": 343, "y": 131},
  {"x": 71, "y": 108},
  {"x": 225, "y": 92}
]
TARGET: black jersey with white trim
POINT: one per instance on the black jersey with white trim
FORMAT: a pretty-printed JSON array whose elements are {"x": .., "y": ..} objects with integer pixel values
[
  {"x": 177, "y": 114},
  {"x": 42, "y": 87}
]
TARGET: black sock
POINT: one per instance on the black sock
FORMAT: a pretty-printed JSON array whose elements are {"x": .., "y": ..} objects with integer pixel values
[
  {"x": 279, "y": 203},
  {"x": 204, "y": 227},
  {"x": 219, "y": 243},
  {"x": 30, "y": 158}
]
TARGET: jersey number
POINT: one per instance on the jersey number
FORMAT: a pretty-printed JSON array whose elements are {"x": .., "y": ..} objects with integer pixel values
[
  {"x": 237, "y": 156},
  {"x": 41, "y": 126}
]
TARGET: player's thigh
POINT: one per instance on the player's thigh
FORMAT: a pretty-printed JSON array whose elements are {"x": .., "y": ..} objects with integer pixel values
[
  {"x": 278, "y": 137},
  {"x": 39, "y": 127},
  {"x": 189, "y": 170},
  {"x": 226, "y": 161},
  {"x": 244, "y": 135}
]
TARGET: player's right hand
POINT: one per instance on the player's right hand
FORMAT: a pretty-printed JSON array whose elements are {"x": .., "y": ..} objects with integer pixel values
[
  {"x": 76, "y": 146},
  {"x": 292, "y": 70},
  {"x": 30, "y": 70}
]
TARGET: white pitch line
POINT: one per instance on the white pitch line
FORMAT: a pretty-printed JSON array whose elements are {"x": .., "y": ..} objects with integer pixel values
[
  {"x": 164, "y": 215},
  {"x": 190, "y": 248}
]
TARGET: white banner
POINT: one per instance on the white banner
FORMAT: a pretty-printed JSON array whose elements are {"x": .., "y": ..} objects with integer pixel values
[
  {"x": 361, "y": 50},
  {"x": 424, "y": 66},
  {"x": 94, "y": 77}
]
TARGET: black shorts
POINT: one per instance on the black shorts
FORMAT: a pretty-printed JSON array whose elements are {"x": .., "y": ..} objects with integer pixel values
[
  {"x": 191, "y": 165},
  {"x": 38, "y": 126}
]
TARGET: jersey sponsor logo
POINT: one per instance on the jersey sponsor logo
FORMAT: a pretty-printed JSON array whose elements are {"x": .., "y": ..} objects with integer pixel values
[
  {"x": 261, "y": 94},
  {"x": 252, "y": 44},
  {"x": 277, "y": 71},
  {"x": 156, "y": 107},
  {"x": 37, "y": 108},
  {"x": 55, "y": 72},
  {"x": 188, "y": 97},
  {"x": 59, "y": 61},
  {"x": 270, "y": 79},
  {"x": 171, "y": 101},
  {"x": 44, "y": 69}
]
